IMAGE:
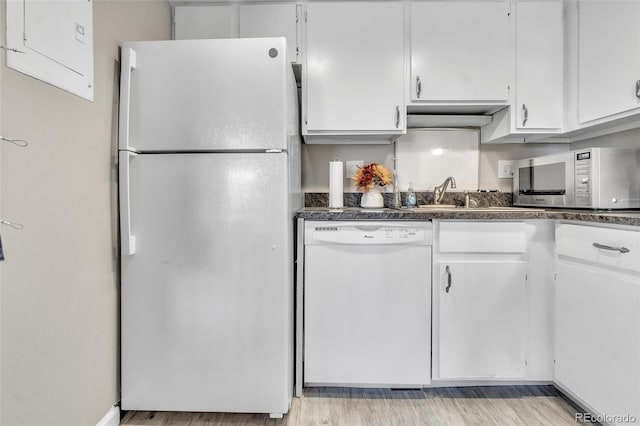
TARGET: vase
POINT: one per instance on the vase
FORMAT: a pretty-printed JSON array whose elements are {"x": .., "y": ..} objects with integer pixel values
[{"x": 372, "y": 199}]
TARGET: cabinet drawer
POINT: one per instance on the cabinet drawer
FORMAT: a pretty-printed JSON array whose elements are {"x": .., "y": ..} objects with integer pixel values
[
  {"x": 619, "y": 248},
  {"x": 482, "y": 237}
]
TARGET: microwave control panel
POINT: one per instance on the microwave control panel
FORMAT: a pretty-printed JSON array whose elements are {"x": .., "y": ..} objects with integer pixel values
[{"x": 583, "y": 178}]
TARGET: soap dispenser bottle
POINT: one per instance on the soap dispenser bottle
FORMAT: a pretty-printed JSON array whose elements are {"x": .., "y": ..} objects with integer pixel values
[{"x": 411, "y": 197}]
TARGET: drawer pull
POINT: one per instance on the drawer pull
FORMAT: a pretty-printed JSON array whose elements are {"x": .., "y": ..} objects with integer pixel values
[
  {"x": 448, "y": 270},
  {"x": 604, "y": 247}
]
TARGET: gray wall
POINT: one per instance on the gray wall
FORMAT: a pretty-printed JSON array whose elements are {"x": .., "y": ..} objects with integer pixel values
[{"x": 59, "y": 285}]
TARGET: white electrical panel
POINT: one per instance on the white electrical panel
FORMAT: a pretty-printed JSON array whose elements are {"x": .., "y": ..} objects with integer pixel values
[{"x": 53, "y": 42}]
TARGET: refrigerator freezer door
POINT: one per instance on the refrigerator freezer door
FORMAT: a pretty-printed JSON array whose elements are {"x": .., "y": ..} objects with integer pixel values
[
  {"x": 204, "y": 95},
  {"x": 207, "y": 296}
]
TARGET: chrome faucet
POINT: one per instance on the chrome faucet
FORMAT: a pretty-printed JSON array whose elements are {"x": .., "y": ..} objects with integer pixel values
[{"x": 440, "y": 190}]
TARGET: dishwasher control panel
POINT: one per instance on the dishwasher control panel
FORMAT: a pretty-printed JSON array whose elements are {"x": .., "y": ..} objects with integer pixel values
[{"x": 369, "y": 232}]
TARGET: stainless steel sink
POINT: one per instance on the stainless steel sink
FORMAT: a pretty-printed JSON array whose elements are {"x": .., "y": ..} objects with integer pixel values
[{"x": 436, "y": 206}]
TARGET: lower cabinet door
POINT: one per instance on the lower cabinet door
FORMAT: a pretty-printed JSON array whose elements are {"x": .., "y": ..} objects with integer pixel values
[
  {"x": 481, "y": 320},
  {"x": 597, "y": 339}
]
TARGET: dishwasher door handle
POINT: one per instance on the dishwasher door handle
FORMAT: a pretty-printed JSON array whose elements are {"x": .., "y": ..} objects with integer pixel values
[
  {"x": 448, "y": 271},
  {"x": 367, "y": 228}
]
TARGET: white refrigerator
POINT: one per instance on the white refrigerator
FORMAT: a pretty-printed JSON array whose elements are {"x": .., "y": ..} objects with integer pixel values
[{"x": 209, "y": 168}]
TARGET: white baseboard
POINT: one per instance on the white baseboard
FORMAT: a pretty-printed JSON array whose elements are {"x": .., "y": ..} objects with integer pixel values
[{"x": 112, "y": 418}]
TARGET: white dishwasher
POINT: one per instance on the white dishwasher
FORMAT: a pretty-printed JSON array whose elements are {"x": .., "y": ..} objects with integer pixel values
[{"x": 367, "y": 303}]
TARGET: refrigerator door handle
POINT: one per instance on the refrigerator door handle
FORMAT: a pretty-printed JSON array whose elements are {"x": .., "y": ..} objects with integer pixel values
[
  {"x": 128, "y": 241},
  {"x": 128, "y": 58}
]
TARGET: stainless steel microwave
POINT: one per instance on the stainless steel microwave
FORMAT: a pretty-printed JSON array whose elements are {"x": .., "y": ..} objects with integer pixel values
[{"x": 592, "y": 178}]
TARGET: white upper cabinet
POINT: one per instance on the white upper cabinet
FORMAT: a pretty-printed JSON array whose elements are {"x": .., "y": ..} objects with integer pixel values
[
  {"x": 537, "y": 99},
  {"x": 204, "y": 21},
  {"x": 273, "y": 20},
  {"x": 353, "y": 78},
  {"x": 608, "y": 58},
  {"x": 539, "y": 65},
  {"x": 460, "y": 52}
]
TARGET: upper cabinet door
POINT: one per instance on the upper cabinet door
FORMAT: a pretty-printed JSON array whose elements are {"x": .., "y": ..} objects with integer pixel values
[
  {"x": 608, "y": 58},
  {"x": 460, "y": 51},
  {"x": 353, "y": 80},
  {"x": 539, "y": 65},
  {"x": 273, "y": 20}
]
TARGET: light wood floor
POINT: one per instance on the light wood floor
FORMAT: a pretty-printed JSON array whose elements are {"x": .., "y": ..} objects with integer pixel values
[{"x": 504, "y": 405}]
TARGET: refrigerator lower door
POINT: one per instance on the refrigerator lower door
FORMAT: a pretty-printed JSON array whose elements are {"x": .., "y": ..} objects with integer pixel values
[{"x": 207, "y": 296}]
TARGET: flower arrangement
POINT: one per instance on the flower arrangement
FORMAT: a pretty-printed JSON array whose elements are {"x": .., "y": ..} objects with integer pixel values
[{"x": 372, "y": 175}]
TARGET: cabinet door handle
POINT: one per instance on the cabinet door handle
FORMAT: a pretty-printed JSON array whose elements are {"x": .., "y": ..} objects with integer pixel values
[
  {"x": 397, "y": 116},
  {"x": 448, "y": 270},
  {"x": 604, "y": 247},
  {"x": 418, "y": 87},
  {"x": 525, "y": 115},
  {"x": 638, "y": 89}
]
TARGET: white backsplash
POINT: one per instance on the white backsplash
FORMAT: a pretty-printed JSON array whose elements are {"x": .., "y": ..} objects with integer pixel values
[
  {"x": 316, "y": 158},
  {"x": 427, "y": 157}
]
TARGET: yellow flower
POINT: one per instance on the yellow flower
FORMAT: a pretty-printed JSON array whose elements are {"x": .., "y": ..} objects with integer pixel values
[
  {"x": 383, "y": 174},
  {"x": 372, "y": 175}
]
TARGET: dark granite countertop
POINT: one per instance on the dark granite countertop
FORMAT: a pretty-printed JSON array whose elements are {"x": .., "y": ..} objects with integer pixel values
[{"x": 498, "y": 213}]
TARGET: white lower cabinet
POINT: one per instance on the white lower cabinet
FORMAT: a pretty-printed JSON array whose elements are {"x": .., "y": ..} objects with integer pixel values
[
  {"x": 597, "y": 324},
  {"x": 492, "y": 285},
  {"x": 482, "y": 319}
]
